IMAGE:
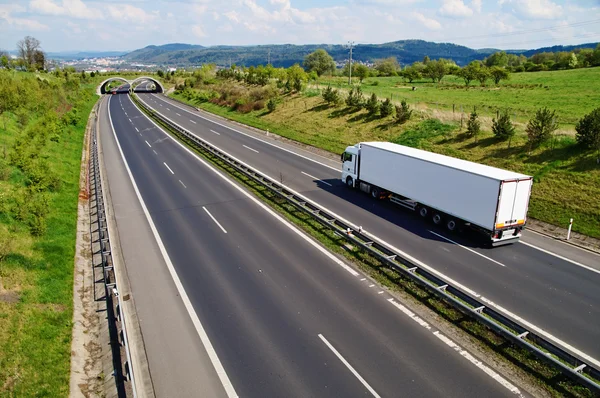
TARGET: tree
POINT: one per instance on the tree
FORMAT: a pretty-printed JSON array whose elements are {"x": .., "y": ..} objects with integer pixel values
[
  {"x": 499, "y": 58},
  {"x": 271, "y": 105},
  {"x": 39, "y": 60},
  {"x": 361, "y": 71},
  {"x": 483, "y": 74},
  {"x": 83, "y": 75},
  {"x": 388, "y": 66},
  {"x": 160, "y": 73},
  {"x": 436, "y": 70},
  {"x": 403, "y": 112},
  {"x": 473, "y": 125},
  {"x": 426, "y": 59},
  {"x": 319, "y": 61},
  {"x": 469, "y": 72},
  {"x": 498, "y": 74},
  {"x": 331, "y": 96},
  {"x": 30, "y": 52},
  {"x": 503, "y": 128},
  {"x": 386, "y": 108},
  {"x": 372, "y": 105},
  {"x": 296, "y": 76},
  {"x": 92, "y": 74},
  {"x": 4, "y": 61},
  {"x": 588, "y": 130},
  {"x": 541, "y": 126},
  {"x": 411, "y": 73}
]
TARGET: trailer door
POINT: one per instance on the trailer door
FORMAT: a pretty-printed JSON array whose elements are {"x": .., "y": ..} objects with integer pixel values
[{"x": 514, "y": 199}]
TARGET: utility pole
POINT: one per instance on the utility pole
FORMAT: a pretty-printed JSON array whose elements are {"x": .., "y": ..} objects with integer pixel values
[{"x": 350, "y": 44}]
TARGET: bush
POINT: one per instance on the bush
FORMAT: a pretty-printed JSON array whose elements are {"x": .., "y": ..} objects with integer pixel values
[
  {"x": 355, "y": 98},
  {"x": 386, "y": 108},
  {"x": 258, "y": 105},
  {"x": 331, "y": 96},
  {"x": 271, "y": 105},
  {"x": 403, "y": 112},
  {"x": 372, "y": 105},
  {"x": 541, "y": 126},
  {"x": 473, "y": 125},
  {"x": 588, "y": 130},
  {"x": 503, "y": 128}
]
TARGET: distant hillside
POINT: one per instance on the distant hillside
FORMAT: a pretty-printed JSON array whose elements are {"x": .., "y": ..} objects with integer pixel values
[
  {"x": 85, "y": 54},
  {"x": 407, "y": 51},
  {"x": 553, "y": 49}
]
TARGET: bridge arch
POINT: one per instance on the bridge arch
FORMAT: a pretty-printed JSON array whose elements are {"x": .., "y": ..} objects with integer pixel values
[{"x": 101, "y": 89}]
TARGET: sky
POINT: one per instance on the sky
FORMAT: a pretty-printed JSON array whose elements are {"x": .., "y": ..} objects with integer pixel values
[{"x": 72, "y": 25}]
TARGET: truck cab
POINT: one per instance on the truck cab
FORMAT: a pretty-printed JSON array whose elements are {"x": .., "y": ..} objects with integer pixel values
[{"x": 350, "y": 165}]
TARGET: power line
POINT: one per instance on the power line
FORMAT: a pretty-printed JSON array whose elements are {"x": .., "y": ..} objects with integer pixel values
[{"x": 521, "y": 32}]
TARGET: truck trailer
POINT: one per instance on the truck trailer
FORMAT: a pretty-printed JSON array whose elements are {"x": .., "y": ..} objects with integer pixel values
[{"x": 452, "y": 193}]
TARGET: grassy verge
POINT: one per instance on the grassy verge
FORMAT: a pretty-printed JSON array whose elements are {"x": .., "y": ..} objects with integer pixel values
[
  {"x": 36, "y": 269},
  {"x": 545, "y": 376},
  {"x": 567, "y": 179}
]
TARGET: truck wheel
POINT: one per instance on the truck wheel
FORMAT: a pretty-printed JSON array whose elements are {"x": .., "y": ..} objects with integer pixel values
[
  {"x": 374, "y": 193},
  {"x": 451, "y": 225},
  {"x": 423, "y": 211},
  {"x": 349, "y": 182},
  {"x": 437, "y": 218}
]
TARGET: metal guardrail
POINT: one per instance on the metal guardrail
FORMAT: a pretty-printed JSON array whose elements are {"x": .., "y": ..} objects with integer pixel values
[
  {"x": 571, "y": 366},
  {"x": 123, "y": 372}
]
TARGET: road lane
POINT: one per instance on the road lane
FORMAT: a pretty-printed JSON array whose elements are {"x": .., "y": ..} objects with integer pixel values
[
  {"x": 549, "y": 292},
  {"x": 264, "y": 294}
]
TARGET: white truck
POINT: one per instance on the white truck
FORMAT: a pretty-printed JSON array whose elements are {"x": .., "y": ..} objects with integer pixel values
[{"x": 450, "y": 192}]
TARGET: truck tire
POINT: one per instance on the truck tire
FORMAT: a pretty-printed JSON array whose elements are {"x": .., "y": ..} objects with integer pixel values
[
  {"x": 451, "y": 225},
  {"x": 349, "y": 182},
  {"x": 437, "y": 218},
  {"x": 423, "y": 211},
  {"x": 374, "y": 192}
]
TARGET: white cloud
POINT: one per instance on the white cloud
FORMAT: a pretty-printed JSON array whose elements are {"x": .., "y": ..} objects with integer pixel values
[
  {"x": 233, "y": 16},
  {"x": 129, "y": 13},
  {"x": 68, "y": 8},
  {"x": 455, "y": 8},
  {"x": 198, "y": 31},
  {"x": 533, "y": 9},
  {"x": 476, "y": 5},
  {"x": 429, "y": 23},
  {"x": 6, "y": 11}
]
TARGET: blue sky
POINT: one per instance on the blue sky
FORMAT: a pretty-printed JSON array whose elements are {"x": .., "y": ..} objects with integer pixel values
[{"x": 68, "y": 25}]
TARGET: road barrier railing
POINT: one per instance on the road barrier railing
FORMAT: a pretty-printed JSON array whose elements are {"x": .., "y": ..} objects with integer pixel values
[
  {"x": 101, "y": 248},
  {"x": 573, "y": 367}
]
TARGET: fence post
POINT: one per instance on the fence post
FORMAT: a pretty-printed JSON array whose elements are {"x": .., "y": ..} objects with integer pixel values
[{"x": 569, "y": 230}]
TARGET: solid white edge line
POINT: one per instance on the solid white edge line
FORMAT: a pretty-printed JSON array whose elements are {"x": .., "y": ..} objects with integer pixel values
[
  {"x": 257, "y": 139},
  {"x": 148, "y": 144},
  {"x": 561, "y": 257},
  {"x": 421, "y": 264},
  {"x": 167, "y": 166},
  {"x": 257, "y": 201},
  {"x": 315, "y": 178},
  {"x": 247, "y": 147},
  {"x": 212, "y": 354},
  {"x": 213, "y": 131},
  {"x": 466, "y": 248},
  {"x": 213, "y": 218},
  {"x": 571, "y": 246},
  {"x": 350, "y": 368}
]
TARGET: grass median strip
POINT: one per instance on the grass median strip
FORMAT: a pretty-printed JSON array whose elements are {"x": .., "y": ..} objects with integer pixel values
[{"x": 547, "y": 377}]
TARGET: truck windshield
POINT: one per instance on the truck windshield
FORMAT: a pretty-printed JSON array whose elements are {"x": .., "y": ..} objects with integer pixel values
[{"x": 346, "y": 157}]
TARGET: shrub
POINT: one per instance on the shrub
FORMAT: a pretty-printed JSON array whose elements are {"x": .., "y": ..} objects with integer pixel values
[
  {"x": 588, "y": 130},
  {"x": 403, "y": 112},
  {"x": 258, "y": 105},
  {"x": 355, "y": 98},
  {"x": 331, "y": 96},
  {"x": 271, "y": 105},
  {"x": 503, "y": 127},
  {"x": 386, "y": 108},
  {"x": 541, "y": 126},
  {"x": 473, "y": 125},
  {"x": 372, "y": 105}
]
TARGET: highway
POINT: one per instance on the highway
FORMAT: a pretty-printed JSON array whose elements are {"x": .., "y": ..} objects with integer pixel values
[
  {"x": 285, "y": 317},
  {"x": 555, "y": 295}
]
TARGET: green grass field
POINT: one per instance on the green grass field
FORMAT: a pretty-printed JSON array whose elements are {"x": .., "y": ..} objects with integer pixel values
[
  {"x": 36, "y": 271},
  {"x": 567, "y": 179},
  {"x": 572, "y": 93}
]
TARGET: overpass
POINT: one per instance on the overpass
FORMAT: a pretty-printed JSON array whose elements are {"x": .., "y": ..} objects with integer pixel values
[{"x": 101, "y": 89}]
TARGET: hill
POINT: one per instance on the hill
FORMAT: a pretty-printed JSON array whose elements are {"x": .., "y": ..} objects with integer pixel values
[{"x": 407, "y": 51}]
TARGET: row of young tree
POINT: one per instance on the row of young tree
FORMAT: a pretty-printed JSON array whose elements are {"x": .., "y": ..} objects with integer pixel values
[{"x": 578, "y": 58}]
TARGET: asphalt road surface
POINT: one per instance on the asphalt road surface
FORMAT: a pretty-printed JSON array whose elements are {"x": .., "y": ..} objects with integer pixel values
[
  {"x": 556, "y": 295},
  {"x": 285, "y": 317}
]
